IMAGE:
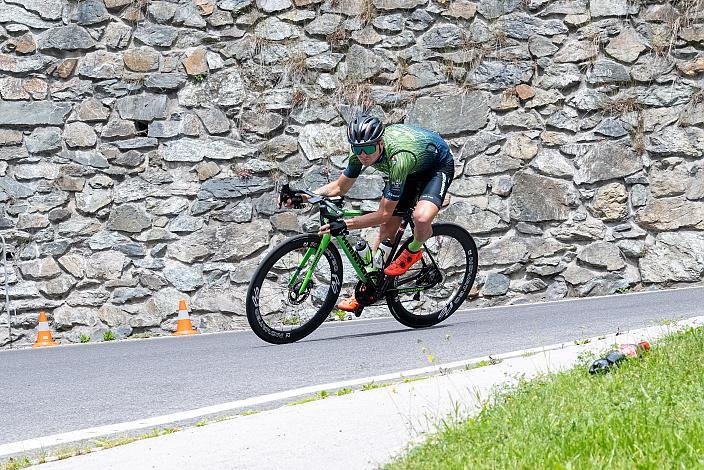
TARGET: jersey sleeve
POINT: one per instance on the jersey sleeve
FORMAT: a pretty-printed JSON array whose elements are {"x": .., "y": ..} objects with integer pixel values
[
  {"x": 354, "y": 166},
  {"x": 401, "y": 167}
]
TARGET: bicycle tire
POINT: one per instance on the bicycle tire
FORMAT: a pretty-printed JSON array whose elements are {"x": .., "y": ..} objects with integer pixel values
[
  {"x": 412, "y": 320},
  {"x": 254, "y": 315}
]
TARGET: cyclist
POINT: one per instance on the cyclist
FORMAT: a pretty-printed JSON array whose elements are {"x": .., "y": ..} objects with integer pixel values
[{"x": 419, "y": 167}]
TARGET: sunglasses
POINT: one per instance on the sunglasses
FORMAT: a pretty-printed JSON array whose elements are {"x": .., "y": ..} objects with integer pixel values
[{"x": 368, "y": 149}]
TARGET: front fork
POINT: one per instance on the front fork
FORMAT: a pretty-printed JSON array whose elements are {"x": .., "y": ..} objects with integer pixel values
[{"x": 324, "y": 242}]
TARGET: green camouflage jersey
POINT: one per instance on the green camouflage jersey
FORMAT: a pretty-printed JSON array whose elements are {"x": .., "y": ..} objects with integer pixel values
[{"x": 408, "y": 151}]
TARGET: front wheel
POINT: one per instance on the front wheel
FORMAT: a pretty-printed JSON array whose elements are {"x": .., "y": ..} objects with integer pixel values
[
  {"x": 449, "y": 265},
  {"x": 281, "y": 308}
]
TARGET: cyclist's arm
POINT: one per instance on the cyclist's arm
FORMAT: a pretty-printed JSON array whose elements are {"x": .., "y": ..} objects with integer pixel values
[
  {"x": 382, "y": 214},
  {"x": 336, "y": 188}
]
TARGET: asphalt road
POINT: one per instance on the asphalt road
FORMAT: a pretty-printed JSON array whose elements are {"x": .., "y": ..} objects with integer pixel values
[{"x": 52, "y": 390}]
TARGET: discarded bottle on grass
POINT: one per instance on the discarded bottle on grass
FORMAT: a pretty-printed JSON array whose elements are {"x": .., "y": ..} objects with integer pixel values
[{"x": 616, "y": 356}]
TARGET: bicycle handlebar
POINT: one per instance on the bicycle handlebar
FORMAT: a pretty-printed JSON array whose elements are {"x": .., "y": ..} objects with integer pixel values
[{"x": 334, "y": 204}]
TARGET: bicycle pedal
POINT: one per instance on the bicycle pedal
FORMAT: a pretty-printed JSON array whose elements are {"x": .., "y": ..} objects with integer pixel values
[{"x": 416, "y": 297}]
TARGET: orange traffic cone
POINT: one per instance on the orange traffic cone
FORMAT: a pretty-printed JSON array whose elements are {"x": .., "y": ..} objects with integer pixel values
[
  {"x": 184, "y": 326},
  {"x": 44, "y": 337}
]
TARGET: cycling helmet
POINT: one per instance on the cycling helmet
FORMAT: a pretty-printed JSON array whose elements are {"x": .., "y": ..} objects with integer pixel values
[{"x": 364, "y": 130}]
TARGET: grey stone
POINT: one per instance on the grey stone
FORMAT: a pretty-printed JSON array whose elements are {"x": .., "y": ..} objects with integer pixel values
[
  {"x": 87, "y": 298},
  {"x": 32, "y": 222},
  {"x": 466, "y": 187},
  {"x": 611, "y": 203},
  {"x": 611, "y": 128},
  {"x": 185, "y": 223},
  {"x": 324, "y": 24},
  {"x": 625, "y": 47},
  {"x": 40, "y": 170},
  {"x": 677, "y": 141},
  {"x": 90, "y": 12},
  {"x": 239, "y": 211},
  {"x": 496, "y": 284},
  {"x": 639, "y": 195},
  {"x": 450, "y": 114},
  {"x": 102, "y": 65},
  {"x": 632, "y": 248},
  {"x": 576, "y": 51},
  {"x": 117, "y": 35},
  {"x": 142, "y": 107},
  {"x": 648, "y": 68},
  {"x": 57, "y": 287},
  {"x": 671, "y": 214},
  {"x": 47, "y": 9},
  {"x": 38, "y": 269},
  {"x": 129, "y": 218},
  {"x": 264, "y": 123},
  {"x": 472, "y": 218},
  {"x": 273, "y": 29},
  {"x": 91, "y": 200},
  {"x": 398, "y": 4},
  {"x": 122, "y": 295},
  {"x": 165, "y": 81},
  {"x": 677, "y": 257},
  {"x": 499, "y": 75},
  {"x": 214, "y": 120},
  {"x": 604, "y": 161},
  {"x": 229, "y": 187},
  {"x": 522, "y": 26},
  {"x": 326, "y": 62},
  {"x": 540, "y": 46},
  {"x": 609, "y": 8},
  {"x": 522, "y": 120},
  {"x": 193, "y": 150},
  {"x": 105, "y": 239},
  {"x": 671, "y": 95},
  {"x": 491, "y": 164},
  {"x": 183, "y": 277},
  {"x": 87, "y": 158},
  {"x": 505, "y": 251},
  {"x": 271, "y": 6},
  {"x": 419, "y": 20},
  {"x": 322, "y": 140},
  {"x": 557, "y": 197},
  {"x": 224, "y": 88},
  {"x": 607, "y": 71},
  {"x": 70, "y": 37},
  {"x": 602, "y": 255},
  {"x": 136, "y": 143},
  {"x": 492, "y": 9},
  {"x": 36, "y": 113},
  {"x": 9, "y": 188},
  {"x": 79, "y": 134},
  {"x": 442, "y": 37},
  {"x": 560, "y": 76},
  {"x": 155, "y": 35},
  {"x": 105, "y": 265},
  {"x": 551, "y": 163},
  {"x": 362, "y": 64},
  {"x": 668, "y": 179},
  {"x": 392, "y": 23},
  {"x": 66, "y": 317}
]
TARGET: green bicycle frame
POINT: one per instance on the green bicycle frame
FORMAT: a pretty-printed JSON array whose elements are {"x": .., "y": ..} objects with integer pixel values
[{"x": 353, "y": 257}]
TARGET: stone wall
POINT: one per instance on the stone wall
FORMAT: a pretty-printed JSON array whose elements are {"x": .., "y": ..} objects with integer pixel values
[{"x": 141, "y": 141}]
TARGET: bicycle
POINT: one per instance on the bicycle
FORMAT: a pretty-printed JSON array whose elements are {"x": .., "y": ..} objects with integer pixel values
[{"x": 296, "y": 286}]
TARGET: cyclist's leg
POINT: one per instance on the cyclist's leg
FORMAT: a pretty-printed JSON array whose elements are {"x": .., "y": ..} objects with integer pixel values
[{"x": 430, "y": 201}]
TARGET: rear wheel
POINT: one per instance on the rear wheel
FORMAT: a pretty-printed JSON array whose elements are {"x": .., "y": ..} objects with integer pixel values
[
  {"x": 449, "y": 264},
  {"x": 277, "y": 310}
]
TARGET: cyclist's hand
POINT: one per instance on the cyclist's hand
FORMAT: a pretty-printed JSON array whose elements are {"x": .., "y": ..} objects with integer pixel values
[
  {"x": 288, "y": 203},
  {"x": 335, "y": 228}
]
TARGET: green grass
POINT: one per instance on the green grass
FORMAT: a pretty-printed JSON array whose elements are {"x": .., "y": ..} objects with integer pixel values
[
  {"x": 16, "y": 464},
  {"x": 648, "y": 414},
  {"x": 108, "y": 336}
]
